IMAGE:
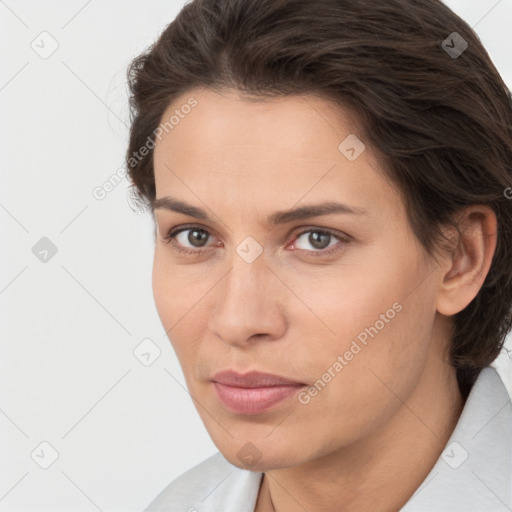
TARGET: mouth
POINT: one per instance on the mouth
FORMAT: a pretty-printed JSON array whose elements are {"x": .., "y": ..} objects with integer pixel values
[{"x": 253, "y": 392}]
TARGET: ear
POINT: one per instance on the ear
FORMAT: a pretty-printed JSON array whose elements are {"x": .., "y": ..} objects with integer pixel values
[{"x": 469, "y": 263}]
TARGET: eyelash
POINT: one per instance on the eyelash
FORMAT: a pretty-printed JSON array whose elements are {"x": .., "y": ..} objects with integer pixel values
[{"x": 169, "y": 238}]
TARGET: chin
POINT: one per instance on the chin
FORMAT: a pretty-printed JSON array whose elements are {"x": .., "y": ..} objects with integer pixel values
[{"x": 252, "y": 458}]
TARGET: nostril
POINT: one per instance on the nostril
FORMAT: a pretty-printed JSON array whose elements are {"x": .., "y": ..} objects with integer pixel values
[{"x": 258, "y": 335}]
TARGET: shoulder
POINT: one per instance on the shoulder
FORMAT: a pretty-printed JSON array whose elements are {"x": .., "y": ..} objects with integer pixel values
[{"x": 212, "y": 485}]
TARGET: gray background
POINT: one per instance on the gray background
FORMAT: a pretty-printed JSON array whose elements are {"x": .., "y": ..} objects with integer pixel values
[{"x": 122, "y": 428}]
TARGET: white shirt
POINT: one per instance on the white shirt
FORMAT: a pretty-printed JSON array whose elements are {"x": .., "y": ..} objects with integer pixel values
[{"x": 473, "y": 474}]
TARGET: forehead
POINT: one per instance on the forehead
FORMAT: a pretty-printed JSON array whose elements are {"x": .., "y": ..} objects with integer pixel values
[
  {"x": 296, "y": 125},
  {"x": 282, "y": 148}
]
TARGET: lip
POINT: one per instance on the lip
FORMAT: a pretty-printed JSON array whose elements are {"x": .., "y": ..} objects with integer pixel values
[
  {"x": 253, "y": 379},
  {"x": 253, "y": 392}
]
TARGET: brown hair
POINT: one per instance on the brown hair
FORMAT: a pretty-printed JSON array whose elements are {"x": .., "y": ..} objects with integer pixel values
[{"x": 441, "y": 123}]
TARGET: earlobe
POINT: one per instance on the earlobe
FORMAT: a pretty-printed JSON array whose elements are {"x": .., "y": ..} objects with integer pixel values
[{"x": 470, "y": 261}]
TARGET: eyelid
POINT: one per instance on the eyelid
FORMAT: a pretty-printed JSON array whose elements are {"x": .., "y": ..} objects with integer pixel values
[
  {"x": 184, "y": 227},
  {"x": 335, "y": 233}
]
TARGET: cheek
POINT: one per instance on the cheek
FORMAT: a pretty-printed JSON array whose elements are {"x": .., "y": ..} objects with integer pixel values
[
  {"x": 164, "y": 289},
  {"x": 382, "y": 322},
  {"x": 358, "y": 393},
  {"x": 177, "y": 288},
  {"x": 178, "y": 294},
  {"x": 358, "y": 303}
]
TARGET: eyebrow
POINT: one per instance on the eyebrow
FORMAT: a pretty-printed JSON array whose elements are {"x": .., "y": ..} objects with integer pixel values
[{"x": 279, "y": 217}]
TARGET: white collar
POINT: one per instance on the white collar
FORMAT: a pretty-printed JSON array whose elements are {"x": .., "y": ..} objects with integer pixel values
[{"x": 474, "y": 472}]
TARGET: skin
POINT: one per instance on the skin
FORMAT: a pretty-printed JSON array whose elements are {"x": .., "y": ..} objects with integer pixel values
[{"x": 373, "y": 433}]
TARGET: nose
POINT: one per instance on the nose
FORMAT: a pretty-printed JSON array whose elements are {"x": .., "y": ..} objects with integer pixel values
[{"x": 249, "y": 304}]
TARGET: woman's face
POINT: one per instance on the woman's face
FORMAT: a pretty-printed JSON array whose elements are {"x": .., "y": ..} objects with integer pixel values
[{"x": 342, "y": 304}]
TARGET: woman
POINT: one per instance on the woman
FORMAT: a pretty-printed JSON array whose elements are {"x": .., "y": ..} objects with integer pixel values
[{"x": 333, "y": 252}]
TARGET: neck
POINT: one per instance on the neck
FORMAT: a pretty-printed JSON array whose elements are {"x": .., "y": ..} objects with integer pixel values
[{"x": 386, "y": 468}]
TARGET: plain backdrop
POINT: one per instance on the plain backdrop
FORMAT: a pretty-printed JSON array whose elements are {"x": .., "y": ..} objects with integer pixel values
[{"x": 85, "y": 424}]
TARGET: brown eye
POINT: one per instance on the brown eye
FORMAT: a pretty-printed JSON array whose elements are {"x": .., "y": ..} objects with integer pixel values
[
  {"x": 188, "y": 237},
  {"x": 317, "y": 239},
  {"x": 196, "y": 237}
]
